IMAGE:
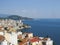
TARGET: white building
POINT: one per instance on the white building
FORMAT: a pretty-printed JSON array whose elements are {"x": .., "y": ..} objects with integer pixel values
[
  {"x": 4, "y": 42},
  {"x": 14, "y": 38},
  {"x": 30, "y": 35},
  {"x": 11, "y": 38},
  {"x": 19, "y": 33}
]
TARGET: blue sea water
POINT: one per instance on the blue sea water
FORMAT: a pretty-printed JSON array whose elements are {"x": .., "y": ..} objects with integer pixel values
[{"x": 44, "y": 27}]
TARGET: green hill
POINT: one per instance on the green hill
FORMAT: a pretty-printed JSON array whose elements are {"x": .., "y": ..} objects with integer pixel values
[{"x": 15, "y": 17}]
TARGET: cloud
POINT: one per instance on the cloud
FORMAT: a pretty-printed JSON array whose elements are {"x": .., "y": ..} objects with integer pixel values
[
  {"x": 34, "y": 13},
  {"x": 21, "y": 12},
  {"x": 24, "y": 11}
]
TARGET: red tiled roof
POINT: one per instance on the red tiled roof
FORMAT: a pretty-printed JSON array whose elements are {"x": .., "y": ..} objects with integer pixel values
[
  {"x": 23, "y": 41},
  {"x": 2, "y": 38},
  {"x": 34, "y": 39}
]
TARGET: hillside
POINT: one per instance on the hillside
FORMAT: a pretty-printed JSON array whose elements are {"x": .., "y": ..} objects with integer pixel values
[{"x": 15, "y": 17}]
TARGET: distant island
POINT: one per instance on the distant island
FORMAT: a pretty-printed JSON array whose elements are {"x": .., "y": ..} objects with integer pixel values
[{"x": 14, "y": 17}]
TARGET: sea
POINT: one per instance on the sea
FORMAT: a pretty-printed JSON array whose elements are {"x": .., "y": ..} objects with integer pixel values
[{"x": 44, "y": 28}]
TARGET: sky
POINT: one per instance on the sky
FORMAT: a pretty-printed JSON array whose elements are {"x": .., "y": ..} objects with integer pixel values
[{"x": 31, "y": 8}]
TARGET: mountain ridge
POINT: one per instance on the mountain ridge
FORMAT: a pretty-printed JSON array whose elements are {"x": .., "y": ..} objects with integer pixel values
[{"x": 15, "y": 17}]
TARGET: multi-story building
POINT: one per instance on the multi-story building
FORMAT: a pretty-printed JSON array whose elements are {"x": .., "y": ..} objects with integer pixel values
[{"x": 10, "y": 36}]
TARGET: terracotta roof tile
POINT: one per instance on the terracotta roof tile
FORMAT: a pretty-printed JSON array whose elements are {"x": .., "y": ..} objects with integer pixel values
[{"x": 2, "y": 38}]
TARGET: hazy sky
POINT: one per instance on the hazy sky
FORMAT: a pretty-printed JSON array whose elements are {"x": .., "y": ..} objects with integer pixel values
[{"x": 31, "y": 8}]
